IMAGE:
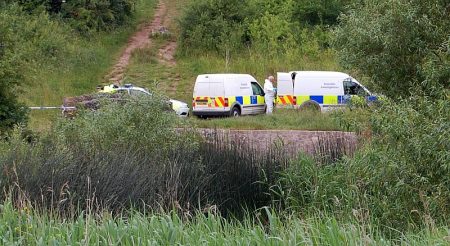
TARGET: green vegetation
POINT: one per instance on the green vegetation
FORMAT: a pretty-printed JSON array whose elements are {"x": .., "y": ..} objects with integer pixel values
[
  {"x": 133, "y": 173},
  {"x": 403, "y": 46},
  {"x": 384, "y": 194},
  {"x": 400, "y": 177},
  {"x": 47, "y": 67},
  {"x": 108, "y": 153},
  {"x": 26, "y": 44},
  {"x": 286, "y": 119},
  {"x": 31, "y": 227},
  {"x": 86, "y": 17}
]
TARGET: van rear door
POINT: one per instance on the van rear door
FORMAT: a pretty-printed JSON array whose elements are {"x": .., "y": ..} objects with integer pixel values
[
  {"x": 201, "y": 92},
  {"x": 217, "y": 93},
  {"x": 285, "y": 89}
]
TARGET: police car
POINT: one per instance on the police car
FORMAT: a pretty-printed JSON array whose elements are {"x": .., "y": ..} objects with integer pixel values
[{"x": 180, "y": 108}]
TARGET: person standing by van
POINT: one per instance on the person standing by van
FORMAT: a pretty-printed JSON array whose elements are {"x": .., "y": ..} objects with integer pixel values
[{"x": 269, "y": 94}]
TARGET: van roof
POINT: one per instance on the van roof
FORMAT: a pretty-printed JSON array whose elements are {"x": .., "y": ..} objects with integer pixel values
[
  {"x": 321, "y": 74},
  {"x": 224, "y": 75}
]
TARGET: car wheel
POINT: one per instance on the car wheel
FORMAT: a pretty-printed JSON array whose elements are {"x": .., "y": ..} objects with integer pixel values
[
  {"x": 310, "y": 106},
  {"x": 235, "y": 112}
]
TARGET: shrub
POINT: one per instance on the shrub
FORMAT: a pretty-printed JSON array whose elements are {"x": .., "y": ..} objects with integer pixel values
[
  {"x": 84, "y": 16},
  {"x": 131, "y": 155},
  {"x": 400, "y": 45},
  {"x": 213, "y": 25},
  {"x": 401, "y": 178},
  {"x": 27, "y": 43},
  {"x": 271, "y": 27}
]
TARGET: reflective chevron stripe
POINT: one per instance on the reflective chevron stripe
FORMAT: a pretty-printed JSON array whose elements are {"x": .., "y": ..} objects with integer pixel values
[{"x": 286, "y": 100}]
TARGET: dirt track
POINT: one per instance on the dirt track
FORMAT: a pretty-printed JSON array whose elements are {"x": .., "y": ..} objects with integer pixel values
[{"x": 142, "y": 39}]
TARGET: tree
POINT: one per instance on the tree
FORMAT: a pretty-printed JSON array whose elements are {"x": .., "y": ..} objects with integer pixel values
[
  {"x": 27, "y": 42},
  {"x": 402, "y": 45}
]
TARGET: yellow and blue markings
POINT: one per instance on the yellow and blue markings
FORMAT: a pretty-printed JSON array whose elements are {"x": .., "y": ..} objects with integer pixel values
[
  {"x": 320, "y": 99},
  {"x": 228, "y": 101}
]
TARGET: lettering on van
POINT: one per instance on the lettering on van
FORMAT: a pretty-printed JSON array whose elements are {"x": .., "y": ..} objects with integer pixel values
[{"x": 329, "y": 86}]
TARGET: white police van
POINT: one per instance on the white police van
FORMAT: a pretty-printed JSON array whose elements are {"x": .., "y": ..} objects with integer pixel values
[
  {"x": 227, "y": 95},
  {"x": 318, "y": 89}
]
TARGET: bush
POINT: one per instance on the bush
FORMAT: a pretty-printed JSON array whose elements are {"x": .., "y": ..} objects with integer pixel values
[
  {"x": 271, "y": 27},
  {"x": 400, "y": 45},
  {"x": 313, "y": 12},
  {"x": 131, "y": 155},
  {"x": 27, "y": 43},
  {"x": 401, "y": 178},
  {"x": 84, "y": 16},
  {"x": 213, "y": 25}
]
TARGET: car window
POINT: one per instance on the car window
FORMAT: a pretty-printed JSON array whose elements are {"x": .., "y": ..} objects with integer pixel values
[
  {"x": 122, "y": 91},
  {"x": 257, "y": 90},
  {"x": 353, "y": 88}
]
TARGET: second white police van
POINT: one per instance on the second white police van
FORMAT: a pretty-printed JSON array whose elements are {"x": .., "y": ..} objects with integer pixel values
[
  {"x": 317, "y": 89},
  {"x": 227, "y": 95}
]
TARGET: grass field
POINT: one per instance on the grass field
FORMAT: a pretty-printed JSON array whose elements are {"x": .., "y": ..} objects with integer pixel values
[
  {"x": 29, "y": 227},
  {"x": 286, "y": 119}
]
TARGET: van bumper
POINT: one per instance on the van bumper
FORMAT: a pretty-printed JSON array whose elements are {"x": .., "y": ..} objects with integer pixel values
[{"x": 211, "y": 113}]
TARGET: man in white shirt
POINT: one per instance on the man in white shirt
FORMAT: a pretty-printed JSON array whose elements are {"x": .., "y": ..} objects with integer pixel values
[{"x": 270, "y": 94}]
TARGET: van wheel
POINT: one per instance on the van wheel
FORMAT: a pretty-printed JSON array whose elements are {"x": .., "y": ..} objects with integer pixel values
[
  {"x": 310, "y": 106},
  {"x": 235, "y": 112}
]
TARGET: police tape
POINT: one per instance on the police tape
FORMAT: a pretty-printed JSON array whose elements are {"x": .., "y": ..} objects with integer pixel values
[{"x": 48, "y": 108}]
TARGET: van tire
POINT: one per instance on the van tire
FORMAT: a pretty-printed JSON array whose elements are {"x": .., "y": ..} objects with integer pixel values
[
  {"x": 311, "y": 106},
  {"x": 235, "y": 112}
]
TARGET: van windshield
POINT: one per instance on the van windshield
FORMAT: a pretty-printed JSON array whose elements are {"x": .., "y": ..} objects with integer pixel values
[
  {"x": 353, "y": 88},
  {"x": 257, "y": 90}
]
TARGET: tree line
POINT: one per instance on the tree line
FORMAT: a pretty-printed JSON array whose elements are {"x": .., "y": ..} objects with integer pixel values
[
  {"x": 40, "y": 33},
  {"x": 402, "y": 46}
]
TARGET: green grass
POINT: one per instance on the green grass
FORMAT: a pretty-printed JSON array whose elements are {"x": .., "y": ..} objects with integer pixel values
[
  {"x": 80, "y": 73},
  {"x": 29, "y": 227},
  {"x": 282, "y": 119}
]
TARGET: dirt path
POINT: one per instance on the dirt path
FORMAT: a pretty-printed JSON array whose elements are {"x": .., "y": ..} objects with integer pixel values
[
  {"x": 292, "y": 141},
  {"x": 166, "y": 54},
  {"x": 139, "y": 40}
]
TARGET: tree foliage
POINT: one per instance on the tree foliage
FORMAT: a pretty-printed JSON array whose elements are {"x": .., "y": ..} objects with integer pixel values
[
  {"x": 402, "y": 45},
  {"x": 38, "y": 34},
  {"x": 84, "y": 16},
  {"x": 213, "y": 24},
  {"x": 270, "y": 26},
  {"x": 313, "y": 12},
  {"x": 27, "y": 42}
]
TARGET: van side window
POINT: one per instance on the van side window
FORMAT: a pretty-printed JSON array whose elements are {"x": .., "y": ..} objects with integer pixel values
[
  {"x": 257, "y": 90},
  {"x": 352, "y": 88}
]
